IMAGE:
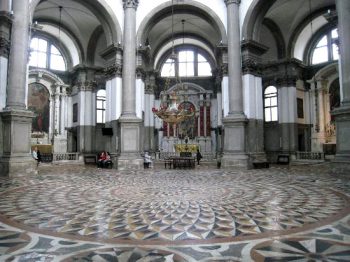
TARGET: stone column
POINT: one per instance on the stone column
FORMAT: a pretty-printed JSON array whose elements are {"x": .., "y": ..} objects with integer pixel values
[
  {"x": 130, "y": 125},
  {"x": 17, "y": 120},
  {"x": 234, "y": 154},
  {"x": 5, "y": 28},
  {"x": 342, "y": 114}
]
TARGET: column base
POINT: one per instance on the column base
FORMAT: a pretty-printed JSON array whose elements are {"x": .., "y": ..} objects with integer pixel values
[
  {"x": 130, "y": 144},
  {"x": 342, "y": 158},
  {"x": 16, "y": 165},
  {"x": 342, "y": 119},
  {"x": 234, "y": 161},
  {"x": 234, "y": 155}
]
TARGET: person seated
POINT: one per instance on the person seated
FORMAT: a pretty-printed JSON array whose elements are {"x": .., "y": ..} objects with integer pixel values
[
  {"x": 147, "y": 160},
  {"x": 107, "y": 162},
  {"x": 101, "y": 159}
]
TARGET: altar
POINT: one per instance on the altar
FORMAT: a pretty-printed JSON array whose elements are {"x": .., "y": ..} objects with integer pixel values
[{"x": 180, "y": 148}]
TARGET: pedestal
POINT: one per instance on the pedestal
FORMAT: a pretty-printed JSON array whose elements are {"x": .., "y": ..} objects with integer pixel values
[
  {"x": 342, "y": 118},
  {"x": 130, "y": 144},
  {"x": 16, "y": 157},
  {"x": 234, "y": 155}
]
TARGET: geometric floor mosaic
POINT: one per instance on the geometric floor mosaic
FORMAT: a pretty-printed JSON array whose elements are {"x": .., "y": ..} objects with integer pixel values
[{"x": 88, "y": 214}]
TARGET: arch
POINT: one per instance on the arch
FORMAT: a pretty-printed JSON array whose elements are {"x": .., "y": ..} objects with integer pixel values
[
  {"x": 207, "y": 54},
  {"x": 303, "y": 25},
  {"x": 157, "y": 12},
  {"x": 328, "y": 72},
  {"x": 104, "y": 14},
  {"x": 277, "y": 33},
  {"x": 66, "y": 35},
  {"x": 254, "y": 19},
  {"x": 91, "y": 48},
  {"x": 37, "y": 75},
  {"x": 192, "y": 87},
  {"x": 307, "y": 58},
  {"x": 61, "y": 47}
]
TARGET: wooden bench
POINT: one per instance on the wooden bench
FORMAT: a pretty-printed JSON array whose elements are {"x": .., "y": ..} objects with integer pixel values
[
  {"x": 261, "y": 164},
  {"x": 90, "y": 159},
  {"x": 168, "y": 162},
  {"x": 283, "y": 159}
]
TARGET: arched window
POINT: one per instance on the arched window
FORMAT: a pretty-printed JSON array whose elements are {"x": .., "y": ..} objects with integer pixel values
[
  {"x": 270, "y": 104},
  {"x": 326, "y": 48},
  {"x": 189, "y": 63},
  {"x": 101, "y": 106},
  {"x": 45, "y": 55}
]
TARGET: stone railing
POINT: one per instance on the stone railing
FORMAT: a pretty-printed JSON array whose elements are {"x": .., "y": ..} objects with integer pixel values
[
  {"x": 164, "y": 155},
  {"x": 65, "y": 157},
  {"x": 309, "y": 155}
]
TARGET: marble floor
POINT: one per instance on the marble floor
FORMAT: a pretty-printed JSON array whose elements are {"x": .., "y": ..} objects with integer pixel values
[{"x": 77, "y": 213}]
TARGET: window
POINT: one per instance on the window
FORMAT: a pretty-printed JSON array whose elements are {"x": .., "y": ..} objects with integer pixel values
[
  {"x": 101, "y": 106},
  {"x": 326, "y": 48},
  {"x": 189, "y": 63},
  {"x": 45, "y": 55},
  {"x": 300, "y": 108},
  {"x": 75, "y": 112},
  {"x": 270, "y": 104}
]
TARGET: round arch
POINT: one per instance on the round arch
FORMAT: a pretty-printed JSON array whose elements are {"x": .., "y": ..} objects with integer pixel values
[
  {"x": 149, "y": 20},
  {"x": 104, "y": 14},
  {"x": 254, "y": 19}
]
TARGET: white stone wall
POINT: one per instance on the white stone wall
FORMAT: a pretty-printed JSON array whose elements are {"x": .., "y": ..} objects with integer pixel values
[
  {"x": 113, "y": 99},
  {"x": 287, "y": 109},
  {"x": 252, "y": 97},
  {"x": 140, "y": 98},
  {"x": 3, "y": 81}
]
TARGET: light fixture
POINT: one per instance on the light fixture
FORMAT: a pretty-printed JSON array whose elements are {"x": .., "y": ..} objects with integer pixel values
[{"x": 169, "y": 110}]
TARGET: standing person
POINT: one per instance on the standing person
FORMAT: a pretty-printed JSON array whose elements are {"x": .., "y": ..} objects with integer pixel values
[
  {"x": 147, "y": 160},
  {"x": 35, "y": 155},
  {"x": 198, "y": 156}
]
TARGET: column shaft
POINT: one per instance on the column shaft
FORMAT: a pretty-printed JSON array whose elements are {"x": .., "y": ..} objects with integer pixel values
[
  {"x": 234, "y": 59},
  {"x": 129, "y": 63},
  {"x": 343, "y": 9},
  {"x": 16, "y": 88}
]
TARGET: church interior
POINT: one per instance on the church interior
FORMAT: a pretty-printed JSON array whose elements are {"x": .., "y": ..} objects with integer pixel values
[{"x": 242, "y": 108}]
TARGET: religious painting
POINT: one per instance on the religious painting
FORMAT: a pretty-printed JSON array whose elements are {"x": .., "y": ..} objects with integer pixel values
[
  {"x": 334, "y": 96},
  {"x": 39, "y": 103},
  {"x": 187, "y": 128}
]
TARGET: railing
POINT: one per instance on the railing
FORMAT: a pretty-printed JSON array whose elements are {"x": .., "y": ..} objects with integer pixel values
[
  {"x": 310, "y": 155},
  {"x": 65, "y": 157},
  {"x": 165, "y": 155}
]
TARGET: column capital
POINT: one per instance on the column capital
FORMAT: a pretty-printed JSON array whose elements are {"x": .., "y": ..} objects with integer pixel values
[
  {"x": 228, "y": 2},
  {"x": 113, "y": 70},
  {"x": 130, "y": 4},
  {"x": 87, "y": 85},
  {"x": 4, "y": 47}
]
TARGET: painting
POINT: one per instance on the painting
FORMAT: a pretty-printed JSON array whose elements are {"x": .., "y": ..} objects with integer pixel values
[
  {"x": 187, "y": 128},
  {"x": 39, "y": 103}
]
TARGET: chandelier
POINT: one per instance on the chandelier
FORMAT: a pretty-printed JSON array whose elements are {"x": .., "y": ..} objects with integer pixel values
[{"x": 170, "y": 111}]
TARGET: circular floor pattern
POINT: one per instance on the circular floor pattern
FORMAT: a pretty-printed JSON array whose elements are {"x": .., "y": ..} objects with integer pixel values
[{"x": 170, "y": 206}]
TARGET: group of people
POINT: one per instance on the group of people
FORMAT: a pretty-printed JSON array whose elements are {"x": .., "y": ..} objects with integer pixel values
[{"x": 104, "y": 159}]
